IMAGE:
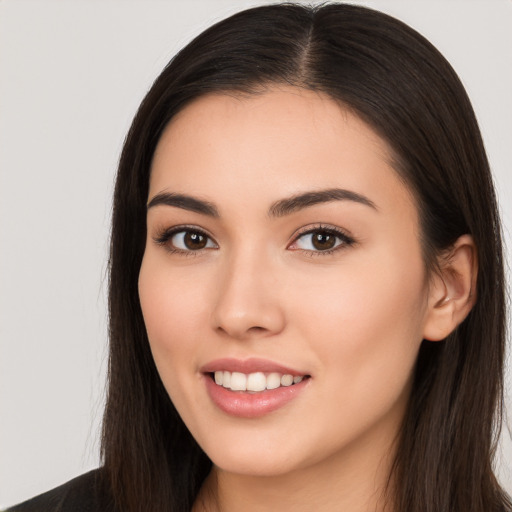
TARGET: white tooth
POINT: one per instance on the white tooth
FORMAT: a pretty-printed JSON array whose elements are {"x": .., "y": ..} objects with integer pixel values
[
  {"x": 297, "y": 379},
  {"x": 256, "y": 381},
  {"x": 238, "y": 381},
  {"x": 286, "y": 380},
  {"x": 218, "y": 378},
  {"x": 226, "y": 379},
  {"x": 273, "y": 380}
]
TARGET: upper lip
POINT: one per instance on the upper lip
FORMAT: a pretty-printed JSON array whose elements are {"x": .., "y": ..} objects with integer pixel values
[{"x": 251, "y": 365}]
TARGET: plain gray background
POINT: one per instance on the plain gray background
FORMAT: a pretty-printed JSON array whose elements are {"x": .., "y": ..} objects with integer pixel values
[{"x": 72, "y": 74}]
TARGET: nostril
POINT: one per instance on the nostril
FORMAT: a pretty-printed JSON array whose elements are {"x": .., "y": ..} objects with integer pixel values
[{"x": 257, "y": 329}]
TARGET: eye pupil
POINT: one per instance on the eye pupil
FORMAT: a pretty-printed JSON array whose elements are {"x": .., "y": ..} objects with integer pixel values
[
  {"x": 194, "y": 240},
  {"x": 322, "y": 240}
]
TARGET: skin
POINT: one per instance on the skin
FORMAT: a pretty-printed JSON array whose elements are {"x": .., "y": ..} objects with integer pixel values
[{"x": 352, "y": 319}]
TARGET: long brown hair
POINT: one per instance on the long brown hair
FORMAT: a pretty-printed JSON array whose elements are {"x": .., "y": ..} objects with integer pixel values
[{"x": 397, "y": 82}]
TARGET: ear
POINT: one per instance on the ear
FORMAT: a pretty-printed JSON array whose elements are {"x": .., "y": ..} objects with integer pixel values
[{"x": 452, "y": 290}]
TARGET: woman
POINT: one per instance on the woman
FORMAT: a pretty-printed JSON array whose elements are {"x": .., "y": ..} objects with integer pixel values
[{"x": 306, "y": 286}]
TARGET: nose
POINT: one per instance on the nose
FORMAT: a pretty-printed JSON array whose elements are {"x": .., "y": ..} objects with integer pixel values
[{"x": 247, "y": 302}]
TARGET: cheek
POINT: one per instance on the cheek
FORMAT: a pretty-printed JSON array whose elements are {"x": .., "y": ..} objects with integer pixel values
[
  {"x": 364, "y": 329},
  {"x": 367, "y": 321},
  {"x": 173, "y": 307}
]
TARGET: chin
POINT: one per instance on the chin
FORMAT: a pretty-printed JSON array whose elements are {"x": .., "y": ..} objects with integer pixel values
[
  {"x": 259, "y": 458},
  {"x": 268, "y": 466}
]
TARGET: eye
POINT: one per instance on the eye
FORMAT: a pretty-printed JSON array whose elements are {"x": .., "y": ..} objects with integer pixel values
[
  {"x": 191, "y": 241},
  {"x": 185, "y": 240},
  {"x": 321, "y": 239}
]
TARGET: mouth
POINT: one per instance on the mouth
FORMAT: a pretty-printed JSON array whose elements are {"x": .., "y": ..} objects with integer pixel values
[
  {"x": 256, "y": 382},
  {"x": 254, "y": 387}
]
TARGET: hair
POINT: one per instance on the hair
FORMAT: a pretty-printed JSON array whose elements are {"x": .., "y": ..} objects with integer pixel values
[{"x": 403, "y": 88}]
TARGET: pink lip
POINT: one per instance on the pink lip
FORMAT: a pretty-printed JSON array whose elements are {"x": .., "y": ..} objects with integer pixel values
[
  {"x": 245, "y": 404},
  {"x": 251, "y": 365}
]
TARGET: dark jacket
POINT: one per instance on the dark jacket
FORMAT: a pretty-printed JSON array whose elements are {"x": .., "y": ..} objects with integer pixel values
[{"x": 82, "y": 494}]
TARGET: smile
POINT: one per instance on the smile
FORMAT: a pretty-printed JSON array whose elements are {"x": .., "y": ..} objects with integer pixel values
[
  {"x": 255, "y": 382},
  {"x": 254, "y": 387}
]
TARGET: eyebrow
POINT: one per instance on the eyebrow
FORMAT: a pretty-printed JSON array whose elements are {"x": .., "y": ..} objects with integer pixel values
[
  {"x": 280, "y": 208},
  {"x": 300, "y": 201},
  {"x": 185, "y": 202}
]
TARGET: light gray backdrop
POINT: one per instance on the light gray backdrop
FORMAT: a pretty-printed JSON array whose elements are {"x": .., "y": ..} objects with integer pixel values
[{"x": 71, "y": 77}]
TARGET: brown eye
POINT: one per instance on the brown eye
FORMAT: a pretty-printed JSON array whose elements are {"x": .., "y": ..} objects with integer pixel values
[
  {"x": 186, "y": 240},
  {"x": 194, "y": 240},
  {"x": 322, "y": 240}
]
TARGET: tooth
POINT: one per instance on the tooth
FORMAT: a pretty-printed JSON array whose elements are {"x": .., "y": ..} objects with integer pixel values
[
  {"x": 286, "y": 380},
  {"x": 256, "y": 381},
  {"x": 273, "y": 380},
  {"x": 238, "y": 381}
]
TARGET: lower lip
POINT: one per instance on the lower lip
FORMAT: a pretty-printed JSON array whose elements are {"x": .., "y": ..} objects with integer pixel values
[{"x": 252, "y": 405}]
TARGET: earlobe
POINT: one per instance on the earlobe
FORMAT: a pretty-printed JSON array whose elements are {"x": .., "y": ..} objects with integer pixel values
[{"x": 452, "y": 292}]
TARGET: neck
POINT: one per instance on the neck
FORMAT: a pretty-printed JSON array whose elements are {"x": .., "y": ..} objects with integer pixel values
[{"x": 353, "y": 481}]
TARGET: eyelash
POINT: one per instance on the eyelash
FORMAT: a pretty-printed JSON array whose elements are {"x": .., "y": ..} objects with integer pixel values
[
  {"x": 346, "y": 240},
  {"x": 164, "y": 236}
]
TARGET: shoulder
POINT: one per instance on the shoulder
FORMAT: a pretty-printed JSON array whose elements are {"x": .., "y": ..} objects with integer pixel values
[{"x": 86, "y": 493}]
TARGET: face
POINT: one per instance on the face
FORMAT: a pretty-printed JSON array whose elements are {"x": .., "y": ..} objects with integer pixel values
[{"x": 282, "y": 255}]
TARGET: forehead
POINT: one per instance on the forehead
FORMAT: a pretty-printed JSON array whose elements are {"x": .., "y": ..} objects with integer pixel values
[{"x": 283, "y": 141}]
